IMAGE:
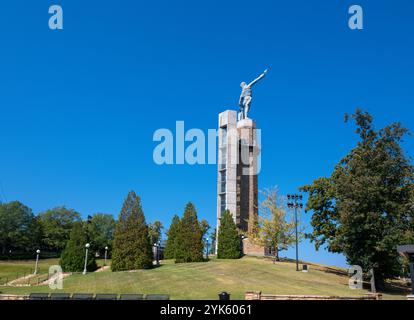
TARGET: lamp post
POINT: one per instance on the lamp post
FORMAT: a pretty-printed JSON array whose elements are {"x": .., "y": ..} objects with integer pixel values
[
  {"x": 86, "y": 257},
  {"x": 157, "y": 261},
  {"x": 295, "y": 202},
  {"x": 106, "y": 254},
  {"x": 207, "y": 248},
  {"x": 242, "y": 244},
  {"x": 37, "y": 260}
]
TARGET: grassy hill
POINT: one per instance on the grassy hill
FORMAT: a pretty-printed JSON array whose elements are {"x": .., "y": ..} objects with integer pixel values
[{"x": 205, "y": 280}]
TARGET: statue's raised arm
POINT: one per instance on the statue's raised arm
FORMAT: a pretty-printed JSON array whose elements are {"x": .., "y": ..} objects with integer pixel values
[{"x": 258, "y": 78}]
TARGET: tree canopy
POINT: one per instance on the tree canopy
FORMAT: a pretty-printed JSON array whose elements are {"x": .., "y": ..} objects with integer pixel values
[
  {"x": 155, "y": 231},
  {"x": 101, "y": 229},
  {"x": 19, "y": 228},
  {"x": 57, "y": 224},
  {"x": 366, "y": 207},
  {"x": 276, "y": 227}
]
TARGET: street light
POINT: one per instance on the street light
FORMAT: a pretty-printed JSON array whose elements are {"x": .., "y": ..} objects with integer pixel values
[
  {"x": 156, "y": 254},
  {"x": 207, "y": 248},
  {"x": 106, "y": 254},
  {"x": 86, "y": 257},
  {"x": 295, "y": 201},
  {"x": 37, "y": 260}
]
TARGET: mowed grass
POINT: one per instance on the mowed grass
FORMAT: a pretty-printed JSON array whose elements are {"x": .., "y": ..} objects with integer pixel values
[
  {"x": 206, "y": 279},
  {"x": 16, "y": 269},
  {"x": 11, "y": 270}
]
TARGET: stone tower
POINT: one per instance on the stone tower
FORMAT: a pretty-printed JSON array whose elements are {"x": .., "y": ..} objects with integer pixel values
[{"x": 238, "y": 167}]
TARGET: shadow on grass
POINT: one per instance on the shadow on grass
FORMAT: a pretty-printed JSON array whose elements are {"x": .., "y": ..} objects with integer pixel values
[
  {"x": 395, "y": 287},
  {"x": 391, "y": 287},
  {"x": 336, "y": 271}
]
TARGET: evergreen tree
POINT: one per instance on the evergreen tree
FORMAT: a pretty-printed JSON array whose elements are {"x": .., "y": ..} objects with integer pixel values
[
  {"x": 73, "y": 256},
  {"x": 132, "y": 248},
  {"x": 365, "y": 208},
  {"x": 229, "y": 244},
  {"x": 169, "y": 251},
  {"x": 189, "y": 241}
]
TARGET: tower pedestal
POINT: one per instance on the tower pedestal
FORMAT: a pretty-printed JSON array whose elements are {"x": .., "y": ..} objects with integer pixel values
[
  {"x": 237, "y": 178},
  {"x": 247, "y": 172}
]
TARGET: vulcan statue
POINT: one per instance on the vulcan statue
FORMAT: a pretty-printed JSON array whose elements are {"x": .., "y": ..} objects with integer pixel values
[{"x": 246, "y": 96}]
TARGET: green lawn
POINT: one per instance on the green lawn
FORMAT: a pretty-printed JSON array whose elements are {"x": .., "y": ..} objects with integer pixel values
[
  {"x": 10, "y": 270},
  {"x": 205, "y": 280}
]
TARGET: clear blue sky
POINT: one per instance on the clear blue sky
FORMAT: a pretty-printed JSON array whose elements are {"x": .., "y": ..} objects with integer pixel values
[{"x": 78, "y": 107}]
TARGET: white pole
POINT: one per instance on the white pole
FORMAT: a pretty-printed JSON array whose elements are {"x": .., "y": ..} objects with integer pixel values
[
  {"x": 37, "y": 260},
  {"x": 86, "y": 258}
]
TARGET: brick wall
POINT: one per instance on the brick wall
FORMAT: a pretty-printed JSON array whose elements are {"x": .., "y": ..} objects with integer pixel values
[{"x": 252, "y": 249}]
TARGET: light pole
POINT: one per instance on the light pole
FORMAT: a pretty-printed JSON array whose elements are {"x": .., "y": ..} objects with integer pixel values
[
  {"x": 156, "y": 254},
  {"x": 86, "y": 257},
  {"x": 159, "y": 251},
  {"x": 296, "y": 204},
  {"x": 242, "y": 244},
  {"x": 37, "y": 260},
  {"x": 106, "y": 254},
  {"x": 207, "y": 248}
]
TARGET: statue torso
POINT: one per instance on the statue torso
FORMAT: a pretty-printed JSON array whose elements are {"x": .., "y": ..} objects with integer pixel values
[{"x": 246, "y": 91}]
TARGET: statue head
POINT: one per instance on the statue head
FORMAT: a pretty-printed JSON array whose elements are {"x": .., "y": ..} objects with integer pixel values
[{"x": 243, "y": 84}]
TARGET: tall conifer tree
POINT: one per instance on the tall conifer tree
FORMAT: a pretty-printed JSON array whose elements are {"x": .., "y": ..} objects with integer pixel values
[
  {"x": 189, "y": 243},
  {"x": 132, "y": 247},
  {"x": 229, "y": 244},
  {"x": 169, "y": 251},
  {"x": 73, "y": 256}
]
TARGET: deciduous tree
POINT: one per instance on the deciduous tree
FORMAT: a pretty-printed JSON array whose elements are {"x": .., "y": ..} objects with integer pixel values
[
  {"x": 155, "y": 231},
  {"x": 366, "y": 207},
  {"x": 19, "y": 228},
  {"x": 101, "y": 228},
  {"x": 276, "y": 226},
  {"x": 56, "y": 226}
]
